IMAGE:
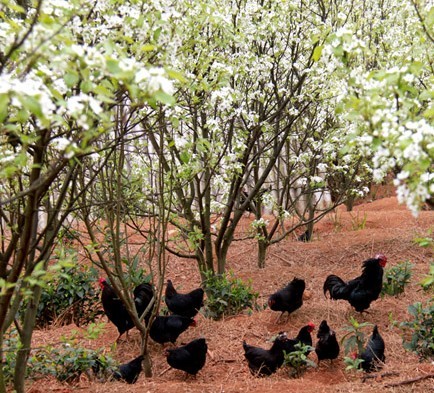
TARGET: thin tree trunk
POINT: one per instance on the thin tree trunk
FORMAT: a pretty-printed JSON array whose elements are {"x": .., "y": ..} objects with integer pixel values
[
  {"x": 2, "y": 376},
  {"x": 26, "y": 340},
  {"x": 262, "y": 252}
]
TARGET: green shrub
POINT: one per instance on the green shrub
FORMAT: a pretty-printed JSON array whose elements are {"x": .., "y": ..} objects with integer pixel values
[
  {"x": 353, "y": 342},
  {"x": 69, "y": 362},
  {"x": 396, "y": 278},
  {"x": 70, "y": 297},
  {"x": 65, "y": 362},
  {"x": 11, "y": 345},
  {"x": 419, "y": 332},
  {"x": 353, "y": 363},
  {"x": 297, "y": 361},
  {"x": 227, "y": 295},
  {"x": 355, "y": 338},
  {"x": 427, "y": 282}
]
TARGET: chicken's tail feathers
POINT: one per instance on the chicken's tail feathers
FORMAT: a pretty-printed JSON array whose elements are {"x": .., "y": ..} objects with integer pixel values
[
  {"x": 335, "y": 286},
  {"x": 117, "y": 375}
]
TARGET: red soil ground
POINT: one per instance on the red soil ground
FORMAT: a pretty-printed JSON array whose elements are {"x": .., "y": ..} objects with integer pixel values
[{"x": 338, "y": 247}]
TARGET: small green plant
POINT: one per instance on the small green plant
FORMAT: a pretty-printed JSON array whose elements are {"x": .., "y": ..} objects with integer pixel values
[
  {"x": 357, "y": 222},
  {"x": 427, "y": 282},
  {"x": 419, "y": 332},
  {"x": 70, "y": 297},
  {"x": 336, "y": 220},
  {"x": 353, "y": 342},
  {"x": 227, "y": 295},
  {"x": 66, "y": 362},
  {"x": 353, "y": 362},
  {"x": 355, "y": 338},
  {"x": 69, "y": 362},
  {"x": 427, "y": 241},
  {"x": 11, "y": 345},
  {"x": 298, "y": 361},
  {"x": 396, "y": 278},
  {"x": 136, "y": 273}
]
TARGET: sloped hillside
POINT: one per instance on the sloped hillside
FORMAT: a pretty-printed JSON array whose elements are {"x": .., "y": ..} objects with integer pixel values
[{"x": 340, "y": 243}]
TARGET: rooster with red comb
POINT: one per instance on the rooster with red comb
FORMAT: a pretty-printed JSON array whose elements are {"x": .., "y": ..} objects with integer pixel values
[{"x": 362, "y": 290}]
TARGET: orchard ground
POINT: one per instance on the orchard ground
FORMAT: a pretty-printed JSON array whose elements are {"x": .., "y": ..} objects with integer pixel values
[{"x": 340, "y": 244}]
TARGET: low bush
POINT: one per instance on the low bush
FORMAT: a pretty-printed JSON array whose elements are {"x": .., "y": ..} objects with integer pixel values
[
  {"x": 70, "y": 298},
  {"x": 427, "y": 281},
  {"x": 227, "y": 295},
  {"x": 66, "y": 361},
  {"x": 396, "y": 278},
  {"x": 419, "y": 332},
  {"x": 353, "y": 343},
  {"x": 297, "y": 361}
]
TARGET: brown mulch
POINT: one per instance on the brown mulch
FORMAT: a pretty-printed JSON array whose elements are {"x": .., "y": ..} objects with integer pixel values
[{"x": 339, "y": 246}]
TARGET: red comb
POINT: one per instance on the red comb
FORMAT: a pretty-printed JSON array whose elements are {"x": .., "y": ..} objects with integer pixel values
[{"x": 382, "y": 258}]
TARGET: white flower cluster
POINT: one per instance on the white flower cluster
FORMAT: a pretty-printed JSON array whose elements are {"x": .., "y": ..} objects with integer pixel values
[{"x": 154, "y": 80}]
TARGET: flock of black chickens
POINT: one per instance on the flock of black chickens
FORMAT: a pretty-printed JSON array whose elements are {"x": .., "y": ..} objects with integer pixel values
[{"x": 191, "y": 358}]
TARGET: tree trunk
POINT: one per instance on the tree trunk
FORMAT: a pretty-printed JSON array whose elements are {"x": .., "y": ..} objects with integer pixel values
[
  {"x": 262, "y": 252},
  {"x": 147, "y": 364},
  {"x": 26, "y": 340},
  {"x": 2, "y": 376}
]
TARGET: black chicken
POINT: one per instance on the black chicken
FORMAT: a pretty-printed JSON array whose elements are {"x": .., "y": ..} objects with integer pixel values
[
  {"x": 327, "y": 346},
  {"x": 303, "y": 337},
  {"x": 364, "y": 289},
  {"x": 190, "y": 357},
  {"x": 305, "y": 236},
  {"x": 129, "y": 372},
  {"x": 373, "y": 355},
  {"x": 264, "y": 362},
  {"x": 167, "y": 328},
  {"x": 289, "y": 298},
  {"x": 185, "y": 304},
  {"x": 114, "y": 308},
  {"x": 143, "y": 295}
]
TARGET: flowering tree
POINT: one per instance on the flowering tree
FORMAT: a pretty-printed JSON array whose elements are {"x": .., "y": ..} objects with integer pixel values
[
  {"x": 173, "y": 110},
  {"x": 386, "y": 65},
  {"x": 254, "y": 111},
  {"x": 62, "y": 79}
]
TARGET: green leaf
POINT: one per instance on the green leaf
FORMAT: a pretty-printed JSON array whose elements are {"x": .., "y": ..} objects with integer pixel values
[
  {"x": 71, "y": 79},
  {"x": 4, "y": 103},
  {"x": 176, "y": 75},
  {"x": 185, "y": 157},
  {"x": 32, "y": 105},
  {"x": 165, "y": 98},
  {"x": 317, "y": 53},
  {"x": 147, "y": 47}
]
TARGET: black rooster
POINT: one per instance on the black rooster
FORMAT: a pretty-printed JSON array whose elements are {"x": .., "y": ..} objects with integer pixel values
[
  {"x": 303, "y": 337},
  {"x": 190, "y": 357},
  {"x": 373, "y": 355},
  {"x": 327, "y": 346},
  {"x": 361, "y": 291},
  {"x": 264, "y": 362},
  {"x": 167, "y": 328},
  {"x": 185, "y": 304},
  {"x": 115, "y": 309},
  {"x": 129, "y": 372},
  {"x": 289, "y": 298}
]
